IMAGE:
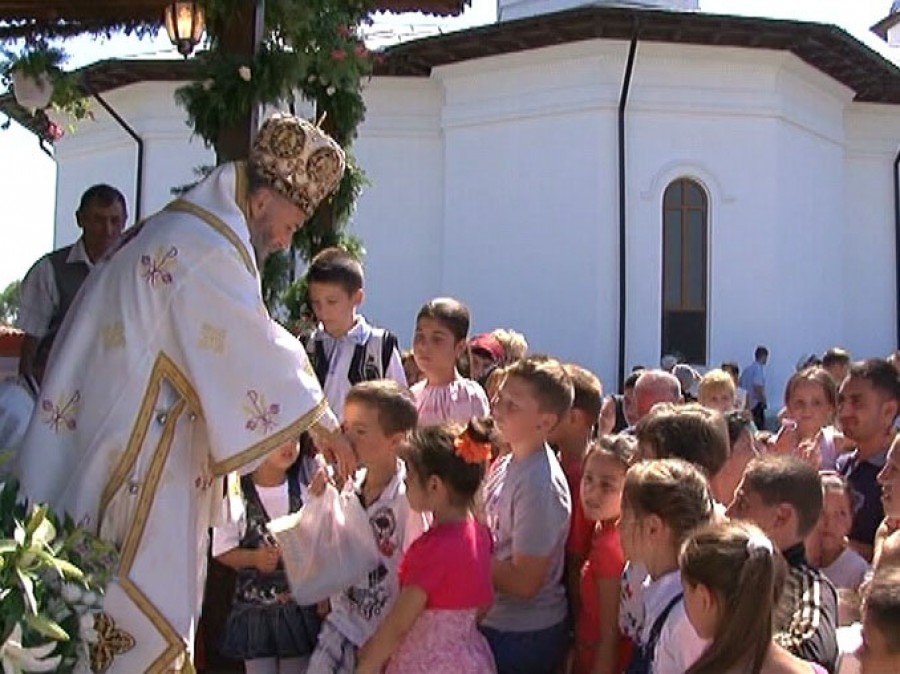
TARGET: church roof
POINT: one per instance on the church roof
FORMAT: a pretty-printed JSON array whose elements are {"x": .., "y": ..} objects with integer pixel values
[{"x": 827, "y": 48}]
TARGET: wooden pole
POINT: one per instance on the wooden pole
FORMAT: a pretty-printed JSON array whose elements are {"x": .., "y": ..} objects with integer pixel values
[{"x": 242, "y": 35}]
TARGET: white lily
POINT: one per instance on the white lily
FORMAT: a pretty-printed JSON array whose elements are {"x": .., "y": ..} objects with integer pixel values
[
  {"x": 86, "y": 631},
  {"x": 17, "y": 658}
]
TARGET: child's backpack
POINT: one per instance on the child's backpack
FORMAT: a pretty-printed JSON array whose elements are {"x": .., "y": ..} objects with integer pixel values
[{"x": 370, "y": 360}]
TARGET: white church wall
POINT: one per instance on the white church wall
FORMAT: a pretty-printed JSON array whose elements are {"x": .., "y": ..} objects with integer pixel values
[
  {"x": 400, "y": 214},
  {"x": 101, "y": 151},
  {"x": 869, "y": 255},
  {"x": 517, "y": 9},
  {"x": 530, "y": 210}
]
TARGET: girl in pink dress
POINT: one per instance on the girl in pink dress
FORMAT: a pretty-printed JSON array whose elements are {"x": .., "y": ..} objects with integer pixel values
[
  {"x": 445, "y": 576},
  {"x": 442, "y": 326}
]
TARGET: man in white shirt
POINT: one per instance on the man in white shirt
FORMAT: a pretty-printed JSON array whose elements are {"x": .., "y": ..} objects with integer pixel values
[
  {"x": 753, "y": 380},
  {"x": 52, "y": 283}
]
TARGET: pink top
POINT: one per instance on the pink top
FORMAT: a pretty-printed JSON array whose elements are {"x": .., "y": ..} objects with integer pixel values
[
  {"x": 459, "y": 401},
  {"x": 452, "y": 564}
]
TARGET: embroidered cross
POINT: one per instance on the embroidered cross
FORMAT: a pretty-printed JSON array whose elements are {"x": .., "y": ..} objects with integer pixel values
[
  {"x": 111, "y": 641},
  {"x": 157, "y": 268},
  {"x": 262, "y": 416},
  {"x": 61, "y": 416}
]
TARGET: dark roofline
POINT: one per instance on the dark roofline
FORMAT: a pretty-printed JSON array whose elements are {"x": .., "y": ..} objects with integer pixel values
[{"x": 827, "y": 48}]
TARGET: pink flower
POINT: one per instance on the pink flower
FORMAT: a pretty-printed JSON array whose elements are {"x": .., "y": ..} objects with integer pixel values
[
  {"x": 338, "y": 55},
  {"x": 361, "y": 51},
  {"x": 54, "y": 131}
]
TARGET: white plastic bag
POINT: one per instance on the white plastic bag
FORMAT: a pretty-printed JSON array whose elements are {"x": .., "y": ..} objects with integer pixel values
[{"x": 326, "y": 546}]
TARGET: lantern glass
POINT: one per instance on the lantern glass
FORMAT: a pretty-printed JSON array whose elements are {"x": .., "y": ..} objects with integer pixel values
[{"x": 185, "y": 24}]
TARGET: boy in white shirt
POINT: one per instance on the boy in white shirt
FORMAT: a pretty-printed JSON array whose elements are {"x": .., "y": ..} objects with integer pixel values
[
  {"x": 377, "y": 417},
  {"x": 345, "y": 349}
]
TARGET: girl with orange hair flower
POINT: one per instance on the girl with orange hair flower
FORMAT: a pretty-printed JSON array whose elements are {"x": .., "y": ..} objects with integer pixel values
[{"x": 445, "y": 576}]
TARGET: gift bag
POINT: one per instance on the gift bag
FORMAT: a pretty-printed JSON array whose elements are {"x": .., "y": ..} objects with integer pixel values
[{"x": 326, "y": 546}]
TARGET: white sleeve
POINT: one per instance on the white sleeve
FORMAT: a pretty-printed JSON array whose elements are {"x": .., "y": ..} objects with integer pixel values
[
  {"x": 678, "y": 647},
  {"x": 226, "y": 537},
  {"x": 395, "y": 370},
  {"x": 38, "y": 299}
]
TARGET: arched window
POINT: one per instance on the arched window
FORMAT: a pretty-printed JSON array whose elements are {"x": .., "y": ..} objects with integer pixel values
[{"x": 684, "y": 280}]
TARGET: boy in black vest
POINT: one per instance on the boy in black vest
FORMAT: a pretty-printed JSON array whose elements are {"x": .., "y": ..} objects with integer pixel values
[{"x": 345, "y": 349}]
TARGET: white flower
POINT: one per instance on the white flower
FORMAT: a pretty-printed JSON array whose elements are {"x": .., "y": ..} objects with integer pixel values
[
  {"x": 16, "y": 658},
  {"x": 207, "y": 85},
  {"x": 71, "y": 593},
  {"x": 245, "y": 73},
  {"x": 90, "y": 598},
  {"x": 86, "y": 631},
  {"x": 331, "y": 90}
]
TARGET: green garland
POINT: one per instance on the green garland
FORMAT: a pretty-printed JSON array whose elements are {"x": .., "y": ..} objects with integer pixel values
[{"x": 311, "y": 47}]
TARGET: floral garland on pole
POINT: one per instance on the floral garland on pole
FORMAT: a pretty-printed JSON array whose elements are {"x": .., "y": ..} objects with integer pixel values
[{"x": 312, "y": 47}]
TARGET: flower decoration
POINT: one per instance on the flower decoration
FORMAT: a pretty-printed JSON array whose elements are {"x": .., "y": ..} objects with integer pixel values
[
  {"x": 470, "y": 450},
  {"x": 245, "y": 73}
]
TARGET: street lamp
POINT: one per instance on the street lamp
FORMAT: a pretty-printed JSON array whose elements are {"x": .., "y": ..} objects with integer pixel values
[{"x": 185, "y": 25}]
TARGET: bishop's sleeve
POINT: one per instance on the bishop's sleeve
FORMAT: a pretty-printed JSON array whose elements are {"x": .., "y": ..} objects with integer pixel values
[{"x": 252, "y": 378}]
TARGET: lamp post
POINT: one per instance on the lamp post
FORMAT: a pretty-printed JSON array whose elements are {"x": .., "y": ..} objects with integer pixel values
[{"x": 185, "y": 24}]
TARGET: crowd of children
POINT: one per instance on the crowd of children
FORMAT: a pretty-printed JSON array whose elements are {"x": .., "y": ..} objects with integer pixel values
[{"x": 526, "y": 523}]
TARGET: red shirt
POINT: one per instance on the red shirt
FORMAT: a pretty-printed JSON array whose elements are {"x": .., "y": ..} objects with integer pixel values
[
  {"x": 581, "y": 529},
  {"x": 452, "y": 564},
  {"x": 605, "y": 561}
]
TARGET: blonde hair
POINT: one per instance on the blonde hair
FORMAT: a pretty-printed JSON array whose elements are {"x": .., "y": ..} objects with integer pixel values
[
  {"x": 673, "y": 490},
  {"x": 715, "y": 380},
  {"x": 514, "y": 345},
  {"x": 739, "y": 565}
]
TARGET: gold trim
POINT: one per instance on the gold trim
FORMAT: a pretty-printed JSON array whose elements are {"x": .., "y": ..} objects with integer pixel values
[
  {"x": 217, "y": 224},
  {"x": 163, "y": 368},
  {"x": 241, "y": 185},
  {"x": 293, "y": 430}
]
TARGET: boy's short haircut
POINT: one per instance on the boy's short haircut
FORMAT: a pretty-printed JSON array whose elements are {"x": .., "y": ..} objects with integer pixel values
[
  {"x": 451, "y": 313},
  {"x": 337, "y": 266},
  {"x": 396, "y": 406},
  {"x": 781, "y": 479},
  {"x": 731, "y": 367},
  {"x": 760, "y": 352},
  {"x": 715, "y": 380},
  {"x": 882, "y": 605},
  {"x": 631, "y": 379},
  {"x": 880, "y": 374},
  {"x": 697, "y": 434},
  {"x": 588, "y": 391},
  {"x": 548, "y": 378},
  {"x": 835, "y": 356}
]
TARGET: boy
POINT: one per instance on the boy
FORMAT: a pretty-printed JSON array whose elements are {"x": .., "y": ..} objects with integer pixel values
[
  {"x": 345, "y": 349},
  {"x": 527, "y": 507},
  {"x": 377, "y": 417},
  {"x": 880, "y": 651},
  {"x": 782, "y": 495},
  {"x": 868, "y": 402},
  {"x": 571, "y": 438}
]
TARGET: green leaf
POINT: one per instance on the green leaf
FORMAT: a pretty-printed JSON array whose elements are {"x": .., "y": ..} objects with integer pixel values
[
  {"x": 7, "y": 545},
  {"x": 28, "y": 590},
  {"x": 47, "y": 627},
  {"x": 37, "y": 517},
  {"x": 62, "y": 566}
]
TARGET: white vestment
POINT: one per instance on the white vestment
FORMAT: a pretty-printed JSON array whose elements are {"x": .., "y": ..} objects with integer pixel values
[{"x": 169, "y": 373}]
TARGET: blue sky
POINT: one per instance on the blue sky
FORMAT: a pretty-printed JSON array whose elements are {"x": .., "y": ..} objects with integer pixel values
[{"x": 28, "y": 176}]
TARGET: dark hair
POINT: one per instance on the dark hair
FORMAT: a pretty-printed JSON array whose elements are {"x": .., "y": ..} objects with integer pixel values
[
  {"x": 882, "y": 605},
  {"x": 619, "y": 446},
  {"x": 815, "y": 375},
  {"x": 631, "y": 379},
  {"x": 697, "y": 434},
  {"x": 451, "y": 313},
  {"x": 760, "y": 352},
  {"x": 673, "y": 490},
  {"x": 737, "y": 421},
  {"x": 880, "y": 374},
  {"x": 396, "y": 406},
  {"x": 549, "y": 380},
  {"x": 588, "y": 391},
  {"x": 835, "y": 356},
  {"x": 336, "y": 266},
  {"x": 731, "y": 367},
  {"x": 741, "y": 568},
  {"x": 779, "y": 478},
  {"x": 103, "y": 195},
  {"x": 432, "y": 451}
]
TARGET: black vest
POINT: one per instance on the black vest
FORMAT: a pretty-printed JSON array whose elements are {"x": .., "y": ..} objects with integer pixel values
[{"x": 68, "y": 277}]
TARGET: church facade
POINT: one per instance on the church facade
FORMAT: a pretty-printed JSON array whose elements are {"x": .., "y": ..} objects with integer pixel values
[{"x": 616, "y": 183}]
